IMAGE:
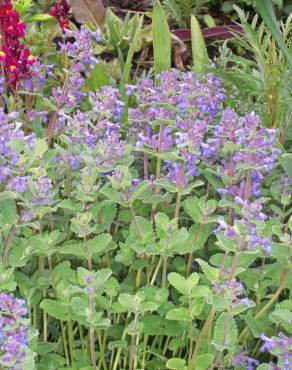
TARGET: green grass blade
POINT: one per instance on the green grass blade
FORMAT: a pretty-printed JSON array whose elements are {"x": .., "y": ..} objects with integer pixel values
[
  {"x": 266, "y": 11},
  {"x": 161, "y": 39},
  {"x": 134, "y": 44},
  {"x": 199, "y": 50}
]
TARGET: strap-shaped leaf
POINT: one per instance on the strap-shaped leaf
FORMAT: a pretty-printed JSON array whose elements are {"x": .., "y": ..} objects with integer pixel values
[
  {"x": 161, "y": 40},
  {"x": 266, "y": 11},
  {"x": 199, "y": 50}
]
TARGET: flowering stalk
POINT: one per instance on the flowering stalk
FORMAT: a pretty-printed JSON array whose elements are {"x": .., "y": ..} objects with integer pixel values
[{"x": 15, "y": 58}]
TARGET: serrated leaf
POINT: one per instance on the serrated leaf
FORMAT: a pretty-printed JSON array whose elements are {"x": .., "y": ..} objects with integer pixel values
[
  {"x": 179, "y": 314},
  {"x": 176, "y": 364},
  {"x": 183, "y": 285},
  {"x": 98, "y": 244},
  {"x": 225, "y": 331},
  {"x": 74, "y": 249},
  {"x": 204, "y": 361},
  {"x": 41, "y": 147},
  {"x": 56, "y": 309},
  {"x": 210, "y": 272},
  {"x": 193, "y": 209}
]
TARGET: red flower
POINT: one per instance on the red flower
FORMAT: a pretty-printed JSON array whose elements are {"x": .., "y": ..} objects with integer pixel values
[
  {"x": 61, "y": 11},
  {"x": 14, "y": 56}
]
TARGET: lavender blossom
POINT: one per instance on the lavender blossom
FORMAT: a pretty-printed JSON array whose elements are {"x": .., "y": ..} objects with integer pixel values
[
  {"x": 13, "y": 331},
  {"x": 107, "y": 103},
  {"x": 19, "y": 184},
  {"x": 10, "y": 131},
  {"x": 232, "y": 291},
  {"x": 242, "y": 359},
  {"x": 43, "y": 192},
  {"x": 281, "y": 347}
]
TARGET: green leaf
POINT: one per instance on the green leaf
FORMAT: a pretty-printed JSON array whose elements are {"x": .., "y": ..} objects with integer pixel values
[
  {"x": 161, "y": 39},
  {"x": 176, "y": 364},
  {"x": 209, "y": 20},
  {"x": 210, "y": 272},
  {"x": 183, "y": 285},
  {"x": 74, "y": 249},
  {"x": 8, "y": 211},
  {"x": 41, "y": 147},
  {"x": 266, "y": 11},
  {"x": 192, "y": 207},
  {"x": 7, "y": 195},
  {"x": 179, "y": 314},
  {"x": 98, "y": 244},
  {"x": 283, "y": 315},
  {"x": 56, "y": 309},
  {"x": 204, "y": 361},
  {"x": 39, "y": 18},
  {"x": 199, "y": 50},
  {"x": 98, "y": 77},
  {"x": 225, "y": 332},
  {"x": 128, "y": 64},
  {"x": 140, "y": 190},
  {"x": 168, "y": 185}
]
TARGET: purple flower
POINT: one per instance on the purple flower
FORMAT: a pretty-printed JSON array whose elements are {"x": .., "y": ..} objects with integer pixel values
[
  {"x": 43, "y": 192},
  {"x": 281, "y": 347},
  {"x": 242, "y": 359},
  {"x": 107, "y": 103},
  {"x": 19, "y": 184},
  {"x": 10, "y": 131},
  {"x": 13, "y": 333}
]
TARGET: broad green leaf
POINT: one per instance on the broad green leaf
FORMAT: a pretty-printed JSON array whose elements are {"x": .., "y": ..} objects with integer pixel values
[
  {"x": 264, "y": 367},
  {"x": 7, "y": 195},
  {"x": 176, "y": 364},
  {"x": 98, "y": 244},
  {"x": 56, "y": 309},
  {"x": 199, "y": 50},
  {"x": 179, "y": 314},
  {"x": 183, "y": 285},
  {"x": 161, "y": 39},
  {"x": 74, "y": 249},
  {"x": 140, "y": 190},
  {"x": 192, "y": 206},
  {"x": 98, "y": 77},
  {"x": 204, "y": 361},
  {"x": 41, "y": 147},
  {"x": 266, "y": 11},
  {"x": 210, "y": 272},
  {"x": 8, "y": 211},
  {"x": 225, "y": 332}
]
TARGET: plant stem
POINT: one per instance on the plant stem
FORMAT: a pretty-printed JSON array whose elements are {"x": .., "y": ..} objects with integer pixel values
[
  {"x": 132, "y": 358},
  {"x": 203, "y": 332},
  {"x": 71, "y": 341},
  {"x": 177, "y": 205},
  {"x": 9, "y": 240},
  {"x": 92, "y": 348},
  {"x": 64, "y": 343},
  {"x": 164, "y": 272},
  {"x": 191, "y": 255},
  {"x": 156, "y": 270}
]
